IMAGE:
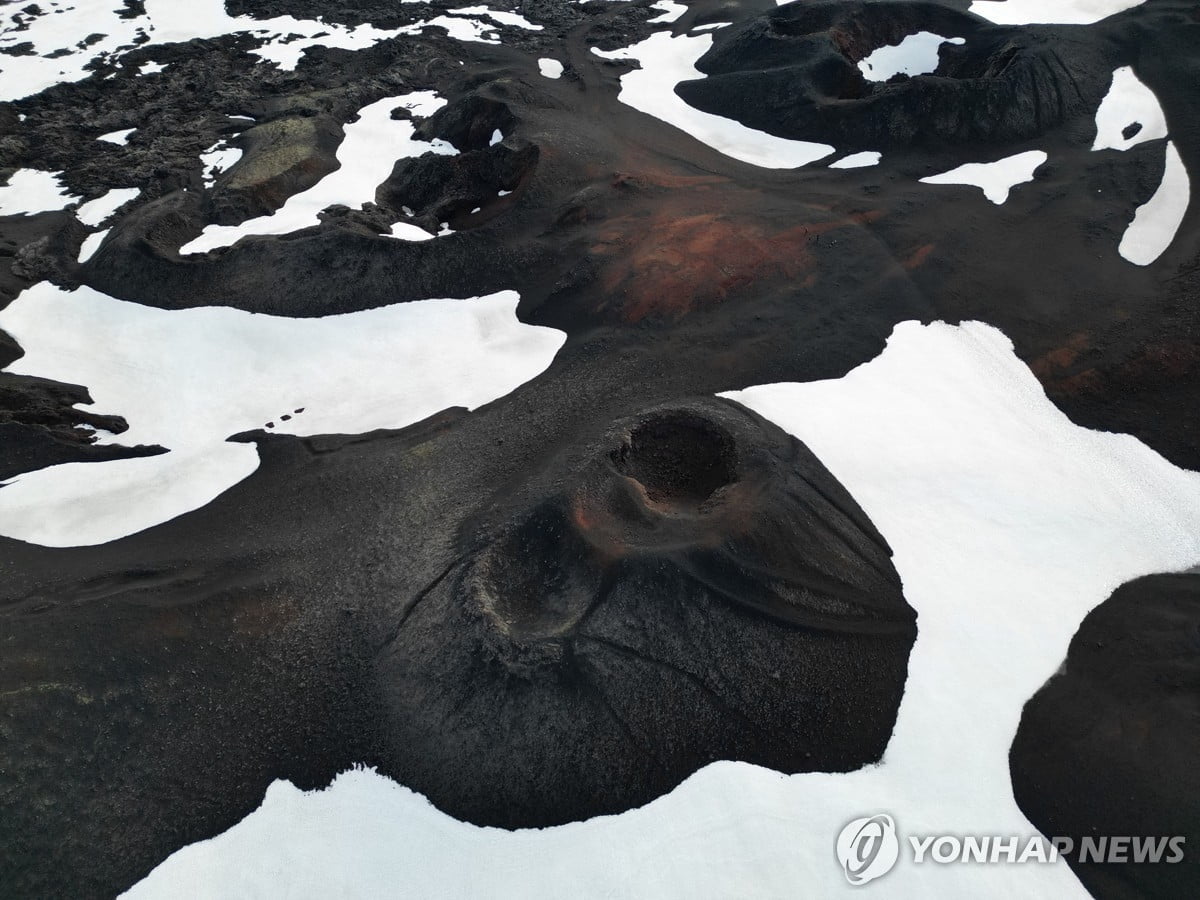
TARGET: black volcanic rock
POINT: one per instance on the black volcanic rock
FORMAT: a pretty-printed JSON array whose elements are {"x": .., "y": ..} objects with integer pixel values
[
  {"x": 468, "y": 123},
  {"x": 443, "y": 188},
  {"x": 689, "y": 585},
  {"x": 794, "y": 73},
  {"x": 25, "y": 448},
  {"x": 1109, "y": 745},
  {"x": 40, "y": 426},
  {"x": 281, "y": 158}
]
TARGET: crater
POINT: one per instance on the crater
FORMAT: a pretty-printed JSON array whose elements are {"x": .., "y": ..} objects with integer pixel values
[
  {"x": 678, "y": 459},
  {"x": 794, "y": 73},
  {"x": 535, "y": 583},
  {"x": 685, "y": 585}
]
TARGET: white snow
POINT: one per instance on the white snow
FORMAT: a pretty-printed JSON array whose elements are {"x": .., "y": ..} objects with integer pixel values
[
  {"x": 151, "y": 68},
  {"x": 858, "y": 160},
  {"x": 33, "y": 191},
  {"x": 551, "y": 68},
  {"x": 916, "y": 54},
  {"x": 117, "y": 137},
  {"x": 666, "y": 61},
  {"x": 1128, "y": 101},
  {"x": 91, "y": 244},
  {"x": 995, "y": 178},
  {"x": 1008, "y": 523},
  {"x": 286, "y": 38},
  {"x": 406, "y": 232},
  {"x": 95, "y": 212},
  {"x": 461, "y": 29},
  {"x": 671, "y": 11},
  {"x": 497, "y": 137},
  {"x": 367, "y": 153},
  {"x": 63, "y": 24},
  {"x": 504, "y": 18},
  {"x": 217, "y": 159},
  {"x": 188, "y": 379},
  {"x": 175, "y": 21},
  {"x": 1050, "y": 12},
  {"x": 1156, "y": 221}
]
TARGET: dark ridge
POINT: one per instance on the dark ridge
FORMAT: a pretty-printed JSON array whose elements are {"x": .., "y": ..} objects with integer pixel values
[{"x": 40, "y": 426}]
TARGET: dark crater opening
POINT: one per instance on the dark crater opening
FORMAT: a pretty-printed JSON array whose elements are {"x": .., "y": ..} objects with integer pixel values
[
  {"x": 537, "y": 581},
  {"x": 679, "y": 458},
  {"x": 792, "y": 72}
]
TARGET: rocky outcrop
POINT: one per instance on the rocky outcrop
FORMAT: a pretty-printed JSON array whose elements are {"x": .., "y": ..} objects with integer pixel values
[
  {"x": 280, "y": 158},
  {"x": 1108, "y": 747}
]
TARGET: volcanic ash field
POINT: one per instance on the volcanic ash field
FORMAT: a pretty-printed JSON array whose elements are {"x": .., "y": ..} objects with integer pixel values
[{"x": 596, "y": 449}]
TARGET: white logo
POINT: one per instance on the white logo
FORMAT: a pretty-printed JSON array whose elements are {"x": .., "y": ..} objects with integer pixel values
[{"x": 868, "y": 848}]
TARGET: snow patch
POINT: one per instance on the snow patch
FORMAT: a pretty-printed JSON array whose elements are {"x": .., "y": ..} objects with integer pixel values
[
  {"x": 1130, "y": 114},
  {"x": 1128, "y": 103},
  {"x": 997, "y": 178},
  {"x": 95, "y": 212},
  {"x": 916, "y": 54},
  {"x": 117, "y": 137},
  {"x": 406, "y": 232},
  {"x": 666, "y": 61},
  {"x": 218, "y": 158},
  {"x": 461, "y": 29},
  {"x": 1157, "y": 221},
  {"x": 550, "y": 68},
  {"x": 504, "y": 18},
  {"x": 91, "y": 244},
  {"x": 188, "y": 379},
  {"x": 1050, "y": 12},
  {"x": 671, "y": 11},
  {"x": 32, "y": 191},
  {"x": 858, "y": 160}
]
